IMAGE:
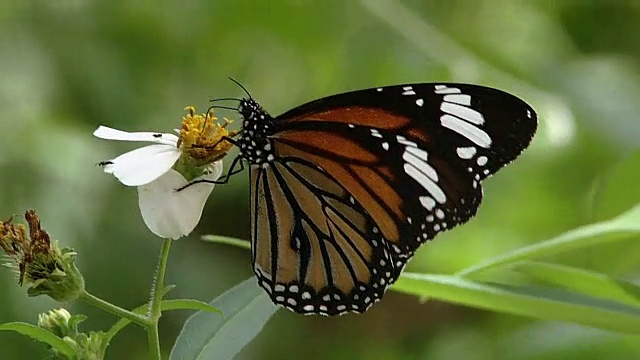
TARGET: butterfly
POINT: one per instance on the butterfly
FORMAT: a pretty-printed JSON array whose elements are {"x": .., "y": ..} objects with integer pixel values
[{"x": 346, "y": 188}]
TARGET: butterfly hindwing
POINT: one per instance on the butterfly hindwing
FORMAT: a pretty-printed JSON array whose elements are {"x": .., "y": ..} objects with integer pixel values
[{"x": 314, "y": 248}]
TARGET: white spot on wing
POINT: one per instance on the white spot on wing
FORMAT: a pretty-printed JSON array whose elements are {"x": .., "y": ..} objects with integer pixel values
[
  {"x": 466, "y": 152},
  {"x": 425, "y": 182},
  {"x": 421, "y": 165},
  {"x": 402, "y": 140},
  {"x": 463, "y": 112},
  {"x": 420, "y": 102},
  {"x": 482, "y": 160},
  {"x": 473, "y": 133},
  {"x": 417, "y": 152},
  {"x": 461, "y": 99},
  {"x": 427, "y": 202},
  {"x": 385, "y": 145},
  {"x": 442, "y": 89}
]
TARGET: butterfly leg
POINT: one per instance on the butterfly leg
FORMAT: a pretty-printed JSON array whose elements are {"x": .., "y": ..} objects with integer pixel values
[{"x": 223, "y": 180}]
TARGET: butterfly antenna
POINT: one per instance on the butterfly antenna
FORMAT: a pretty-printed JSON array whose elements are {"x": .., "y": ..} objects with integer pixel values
[
  {"x": 225, "y": 99},
  {"x": 221, "y": 107},
  {"x": 242, "y": 87}
]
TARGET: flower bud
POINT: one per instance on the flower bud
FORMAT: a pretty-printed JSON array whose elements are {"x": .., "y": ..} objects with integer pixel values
[{"x": 39, "y": 262}]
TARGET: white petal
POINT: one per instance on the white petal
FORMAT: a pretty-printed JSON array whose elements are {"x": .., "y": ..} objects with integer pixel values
[
  {"x": 142, "y": 166},
  {"x": 172, "y": 214},
  {"x": 108, "y": 133}
]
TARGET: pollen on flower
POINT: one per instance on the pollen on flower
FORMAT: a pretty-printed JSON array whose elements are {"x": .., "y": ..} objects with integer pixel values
[{"x": 201, "y": 136}]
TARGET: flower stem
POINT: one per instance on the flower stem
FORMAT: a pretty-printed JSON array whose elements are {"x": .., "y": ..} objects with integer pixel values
[
  {"x": 114, "y": 309},
  {"x": 155, "y": 302}
]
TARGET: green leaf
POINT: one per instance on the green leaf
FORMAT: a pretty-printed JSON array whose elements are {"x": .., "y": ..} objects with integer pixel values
[
  {"x": 538, "y": 303},
  {"x": 226, "y": 240},
  {"x": 189, "y": 304},
  {"x": 582, "y": 281},
  {"x": 174, "y": 304},
  {"x": 42, "y": 335},
  {"x": 122, "y": 323},
  {"x": 246, "y": 310},
  {"x": 621, "y": 227}
]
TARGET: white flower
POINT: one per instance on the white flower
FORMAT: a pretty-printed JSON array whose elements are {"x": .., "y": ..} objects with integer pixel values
[
  {"x": 143, "y": 165},
  {"x": 172, "y": 214},
  {"x": 167, "y": 212}
]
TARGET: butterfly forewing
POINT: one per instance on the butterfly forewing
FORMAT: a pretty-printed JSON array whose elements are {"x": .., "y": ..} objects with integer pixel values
[{"x": 347, "y": 187}]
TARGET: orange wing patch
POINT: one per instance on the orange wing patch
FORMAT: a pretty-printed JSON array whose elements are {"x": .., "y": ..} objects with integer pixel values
[
  {"x": 328, "y": 142},
  {"x": 374, "y": 185},
  {"x": 364, "y": 116}
]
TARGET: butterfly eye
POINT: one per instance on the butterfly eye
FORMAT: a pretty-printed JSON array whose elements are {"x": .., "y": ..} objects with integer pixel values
[{"x": 346, "y": 188}]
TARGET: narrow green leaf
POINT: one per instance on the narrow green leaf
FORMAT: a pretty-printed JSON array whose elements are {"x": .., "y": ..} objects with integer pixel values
[
  {"x": 42, "y": 335},
  {"x": 246, "y": 310},
  {"x": 189, "y": 304},
  {"x": 538, "y": 303},
  {"x": 621, "y": 227},
  {"x": 582, "y": 281},
  {"x": 226, "y": 240},
  {"x": 122, "y": 323},
  {"x": 174, "y": 304}
]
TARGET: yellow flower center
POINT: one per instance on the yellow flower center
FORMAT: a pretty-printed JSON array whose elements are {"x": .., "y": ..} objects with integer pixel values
[{"x": 201, "y": 137}]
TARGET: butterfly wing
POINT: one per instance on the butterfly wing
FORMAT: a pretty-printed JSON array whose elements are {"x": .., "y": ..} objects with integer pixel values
[
  {"x": 311, "y": 247},
  {"x": 362, "y": 179},
  {"x": 413, "y": 155}
]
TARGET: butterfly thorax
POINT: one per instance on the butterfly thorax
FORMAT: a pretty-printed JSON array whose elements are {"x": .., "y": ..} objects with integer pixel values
[{"x": 254, "y": 143}]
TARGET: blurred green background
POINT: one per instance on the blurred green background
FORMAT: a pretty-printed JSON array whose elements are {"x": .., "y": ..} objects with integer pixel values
[{"x": 68, "y": 66}]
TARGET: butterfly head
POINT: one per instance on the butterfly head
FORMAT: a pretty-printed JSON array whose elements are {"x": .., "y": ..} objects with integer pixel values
[{"x": 257, "y": 126}]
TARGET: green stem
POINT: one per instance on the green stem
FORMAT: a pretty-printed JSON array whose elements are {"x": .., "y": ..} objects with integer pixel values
[
  {"x": 157, "y": 291},
  {"x": 114, "y": 309},
  {"x": 226, "y": 240}
]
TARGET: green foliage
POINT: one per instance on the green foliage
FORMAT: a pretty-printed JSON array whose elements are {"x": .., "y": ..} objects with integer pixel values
[
  {"x": 246, "y": 309},
  {"x": 174, "y": 304},
  {"x": 625, "y": 226},
  {"x": 582, "y": 281},
  {"x": 41, "y": 335},
  {"x": 524, "y": 300}
]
